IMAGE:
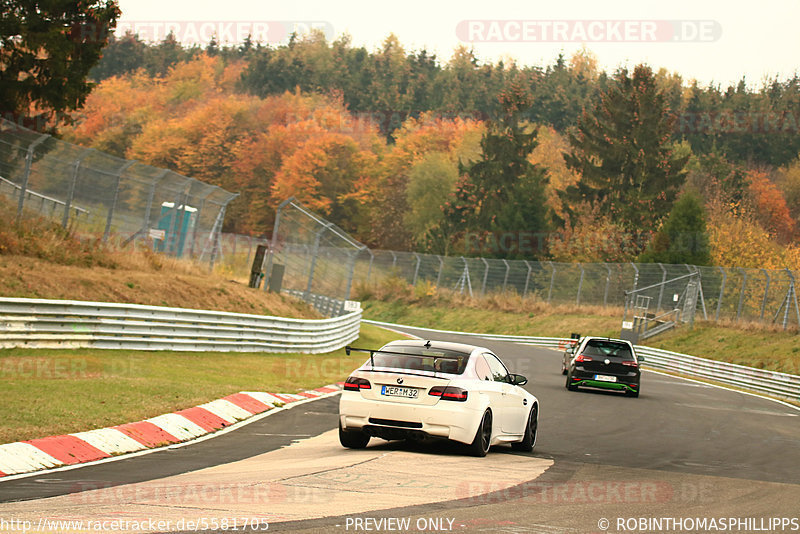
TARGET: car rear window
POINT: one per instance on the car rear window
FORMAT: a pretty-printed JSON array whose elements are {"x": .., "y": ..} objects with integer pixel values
[
  {"x": 422, "y": 359},
  {"x": 597, "y": 347}
]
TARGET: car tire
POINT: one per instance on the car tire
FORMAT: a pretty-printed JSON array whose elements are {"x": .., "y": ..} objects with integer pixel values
[
  {"x": 481, "y": 443},
  {"x": 353, "y": 439},
  {"x": 563, "y": 369},
  {"x": 569, "y": 386},
  {"x": 631, "y": 393},
  {"x": 528, "y": 442}
]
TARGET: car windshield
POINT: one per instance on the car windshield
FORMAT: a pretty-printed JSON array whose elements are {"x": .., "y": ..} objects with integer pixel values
[
  {"x": 421, "y": 359},
  {"x": 608, "y": 348}
]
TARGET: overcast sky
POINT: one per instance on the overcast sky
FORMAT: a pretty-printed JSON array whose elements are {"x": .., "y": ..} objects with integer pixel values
[{"x": 718, "y": 41}]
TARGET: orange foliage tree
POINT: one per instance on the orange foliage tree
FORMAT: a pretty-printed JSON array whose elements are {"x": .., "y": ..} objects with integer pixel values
[{"x": 770, "y": 206}]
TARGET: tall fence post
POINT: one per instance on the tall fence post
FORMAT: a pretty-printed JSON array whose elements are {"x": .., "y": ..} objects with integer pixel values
[
  {"x": 608, "y": 283},
  {"x": 317, "y": 239},
  {"x": 661, "y": 290},
  {"x": 439, "y": 274},
  {"x": 72, "y": 184},
  {"x": 113, "y": 206},
  {"x": 369, "y": 267},
  {"x": 27, "y": 173},
  {"x": 721, "y": 292},
  {"x": 791, "y": 297},
  {"x": 527, "y": 278},
  {"x": 580, "y": 285},
  {"x": 350, "y": 274},
  {"x": 217, "y": 233},
  {"x": 741, "y": 294},
  {"x": 274, "y": 241},
  {"x": 416, "y": 269},
  {"x": 552, "y": 281},
  {"x": 505, "y": 278},
  {"x": 150, "y": 197},
  {"x": 635, "y": 276},
  {"x": 485, "y": 276},
  {"x": 766, "y": 294}
]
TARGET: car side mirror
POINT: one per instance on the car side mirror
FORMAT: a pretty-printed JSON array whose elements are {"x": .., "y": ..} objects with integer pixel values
[
  {"x": 518, "y": 380},
  {"x": 570, "y": 350},
  {"x": 640, "y": 358}
]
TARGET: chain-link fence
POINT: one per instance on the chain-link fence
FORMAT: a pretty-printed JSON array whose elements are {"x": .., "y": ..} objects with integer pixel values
[
  {"x": 737, "y": 294},
  {"x": 107, "y": 197},
  {"x": 315, "y": 257}
]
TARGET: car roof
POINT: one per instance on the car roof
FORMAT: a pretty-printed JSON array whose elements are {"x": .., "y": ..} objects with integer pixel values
[{"x": 446, "y": 345}]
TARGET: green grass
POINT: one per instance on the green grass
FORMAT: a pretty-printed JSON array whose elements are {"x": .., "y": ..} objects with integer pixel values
[
  {"x": 776, "y": 350},
  {"x": 491, "y": 321},
  {"x": 49, "y": 392},
  {"x": 763, "y": 349}
]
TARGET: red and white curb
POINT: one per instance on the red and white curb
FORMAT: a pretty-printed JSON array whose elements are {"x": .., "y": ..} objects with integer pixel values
[{"x": 168, "y": 429}]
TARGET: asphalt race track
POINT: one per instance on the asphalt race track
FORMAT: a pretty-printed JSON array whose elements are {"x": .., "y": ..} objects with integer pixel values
[{"x": 682, "y": 451}]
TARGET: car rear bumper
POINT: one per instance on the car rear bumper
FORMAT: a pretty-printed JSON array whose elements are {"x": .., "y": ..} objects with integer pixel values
[
  {"x": 449, "y": 420},
  {"x": 583, "y": 378}
]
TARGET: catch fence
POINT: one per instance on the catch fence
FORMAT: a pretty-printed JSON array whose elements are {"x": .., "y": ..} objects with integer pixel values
[
  {"x": 312, "y": 257},
  {"x": 108, "y": 198},
  {"x": 725, "y": 293}
]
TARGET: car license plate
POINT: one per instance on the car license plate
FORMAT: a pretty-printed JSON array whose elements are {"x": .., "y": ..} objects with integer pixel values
[
  {"x": 394, "y": 391},
  {"x": 605, "y": 378}
]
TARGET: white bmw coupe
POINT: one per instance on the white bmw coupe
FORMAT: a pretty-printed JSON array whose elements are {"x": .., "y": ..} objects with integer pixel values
[{"x": 418, "y": 390}]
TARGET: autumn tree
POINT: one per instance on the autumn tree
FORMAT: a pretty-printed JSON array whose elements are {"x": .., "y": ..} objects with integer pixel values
[
  {"x": 502, "y": 192},
  {"x": 414, "y": 140},
  {"x": 621, "y": 150},
  {"x": 683, "y": 237},
  {"x": 332, "y": 176},
  {"x": 47, "y": 50},
  {"x": 430, "y": 183},
  {"x": 770, "y": 206}
]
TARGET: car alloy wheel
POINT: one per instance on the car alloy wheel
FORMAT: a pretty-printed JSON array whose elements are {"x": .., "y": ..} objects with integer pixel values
[{"x": 480, "y": 445}]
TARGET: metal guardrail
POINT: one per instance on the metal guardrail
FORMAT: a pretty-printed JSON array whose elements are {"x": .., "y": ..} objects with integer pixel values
[
  {"x": 773, "y": 383},
  {"x": 39, "y": 323},
  {"x": 328, "y": 306}
]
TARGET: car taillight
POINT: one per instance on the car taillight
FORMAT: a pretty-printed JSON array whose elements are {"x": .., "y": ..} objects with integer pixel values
[
  {"x": 355, "y": 384},
  {"x": 583, "y": 358},
  {"x": 630, "y": 363},
  {"x": 451, "y": 393}
]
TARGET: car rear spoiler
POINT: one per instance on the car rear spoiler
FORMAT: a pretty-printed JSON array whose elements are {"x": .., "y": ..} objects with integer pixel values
[{"x": 348, "y": 349}]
